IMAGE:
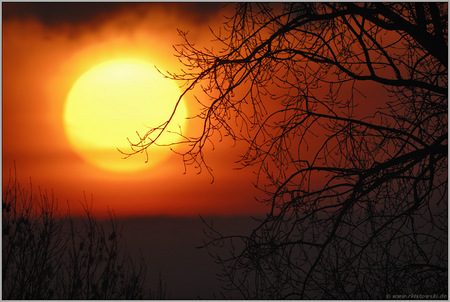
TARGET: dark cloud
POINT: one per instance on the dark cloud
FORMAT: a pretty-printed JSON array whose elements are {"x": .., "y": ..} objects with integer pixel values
[{"x": 56, "y": 13}]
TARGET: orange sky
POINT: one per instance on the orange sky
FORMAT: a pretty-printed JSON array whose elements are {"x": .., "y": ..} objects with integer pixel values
[{"x": 45, "y": 49}]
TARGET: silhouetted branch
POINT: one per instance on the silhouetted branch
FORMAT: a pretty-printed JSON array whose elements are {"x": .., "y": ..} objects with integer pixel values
[{"x": 356, "y": 199}]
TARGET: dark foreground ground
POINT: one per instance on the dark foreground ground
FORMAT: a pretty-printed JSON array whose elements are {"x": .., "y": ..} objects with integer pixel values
[{"x": 168, "y": 246}]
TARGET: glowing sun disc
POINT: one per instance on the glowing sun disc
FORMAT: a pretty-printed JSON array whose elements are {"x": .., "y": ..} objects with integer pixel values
[{"x": 112, "y": 101}]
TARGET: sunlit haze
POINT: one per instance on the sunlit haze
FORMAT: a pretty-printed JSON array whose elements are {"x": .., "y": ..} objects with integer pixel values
[{"x": 73, "y": 86}]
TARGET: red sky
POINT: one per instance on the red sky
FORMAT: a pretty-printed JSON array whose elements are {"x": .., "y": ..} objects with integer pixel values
[{"x": 45, "y": 49}]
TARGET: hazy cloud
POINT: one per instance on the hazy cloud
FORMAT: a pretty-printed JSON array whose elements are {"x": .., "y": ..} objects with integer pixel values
[{"x": 74, "y": 13}]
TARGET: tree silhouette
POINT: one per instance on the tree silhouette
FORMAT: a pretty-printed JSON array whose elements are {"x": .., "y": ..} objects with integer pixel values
[
  {"x": 48, "y": 256},
  {"x": 356, "y": 192}
]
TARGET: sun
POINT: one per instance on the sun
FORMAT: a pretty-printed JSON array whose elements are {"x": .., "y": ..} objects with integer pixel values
[{"x": 113, "y": 100}]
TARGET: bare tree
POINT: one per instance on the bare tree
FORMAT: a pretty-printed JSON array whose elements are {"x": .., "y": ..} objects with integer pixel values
[
  {"x": 46, "y": 255},
  {"x": 357, "y": 198}
]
